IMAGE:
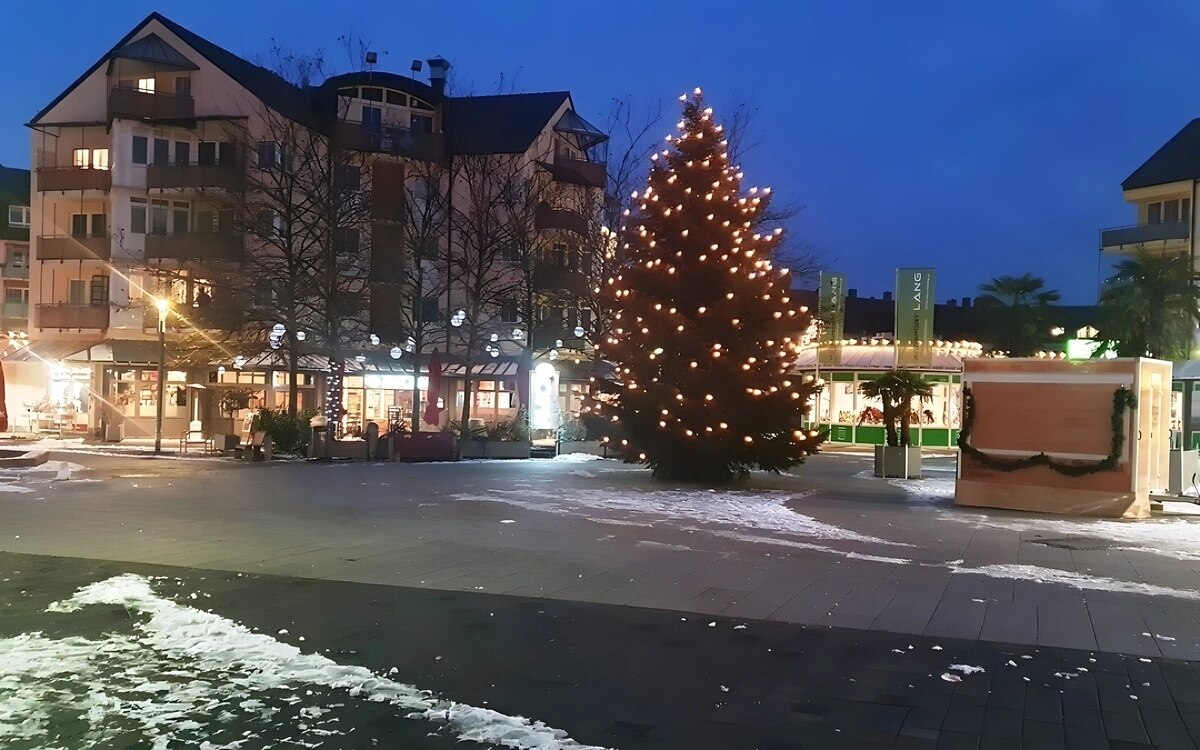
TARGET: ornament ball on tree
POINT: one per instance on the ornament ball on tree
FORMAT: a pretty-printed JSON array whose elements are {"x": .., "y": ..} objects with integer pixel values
[{"x": 703, "y": 331}]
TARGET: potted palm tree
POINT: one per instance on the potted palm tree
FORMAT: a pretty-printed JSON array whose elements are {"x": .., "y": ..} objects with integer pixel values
[{"x": 896, "y": 390}]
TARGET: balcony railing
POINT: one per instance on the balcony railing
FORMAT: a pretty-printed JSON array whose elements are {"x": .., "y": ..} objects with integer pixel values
[
  {"x": 1139, "y": 234},
  {"x": 195, "y": 246},
  {"x": 391, "y": 140},
  {"x": 548, "y": 217},
  {"x": 223, "y": 176},
  {"x": 73, "y": 178},
  {"x": 66, "y": 247},
  {"x": 67, "y": 315},
  {"x": 15, "y": 311},
  {"x": 548, "y": 276},
  {"x": 149, "y": 105},
  {"x": 216, "y": 316},
  {"x": 581, "y": 172},
  {"x": 10, "y": 271}
]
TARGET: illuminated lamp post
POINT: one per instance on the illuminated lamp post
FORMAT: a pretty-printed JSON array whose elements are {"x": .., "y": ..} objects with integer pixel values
[{"x": 164, "y": 309}]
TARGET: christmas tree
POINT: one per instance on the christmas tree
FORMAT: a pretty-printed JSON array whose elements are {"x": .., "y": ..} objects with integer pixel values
[{"x": 703, "y": 331}]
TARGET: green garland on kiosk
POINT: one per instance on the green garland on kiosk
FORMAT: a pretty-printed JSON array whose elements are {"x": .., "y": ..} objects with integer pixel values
[{"x": 1123, "y": 399}]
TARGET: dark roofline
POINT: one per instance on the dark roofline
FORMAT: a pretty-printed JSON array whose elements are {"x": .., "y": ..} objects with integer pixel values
[{"x": 1180, "y": 157}]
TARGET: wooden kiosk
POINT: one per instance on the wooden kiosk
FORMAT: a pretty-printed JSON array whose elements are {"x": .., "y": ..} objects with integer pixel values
[{"x": 1083, "y": 438}]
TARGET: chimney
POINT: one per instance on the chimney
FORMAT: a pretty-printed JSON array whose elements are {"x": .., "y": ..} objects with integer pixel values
[
  {"x": 887, "y": 296},
  {"x": 437, "y": 73},
  {"x": 852, "y": 293},
  {"x": 966, "y": 302}
]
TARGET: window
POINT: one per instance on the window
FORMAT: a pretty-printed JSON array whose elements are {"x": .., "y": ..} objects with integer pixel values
[
  {"x": 183, "y": 85},
  {"x": 585, "y": 318},
  {"x": 421, "y": 124},
  {"x": 267, "y": 152},
  {"x": 146, "y": 85},
  {"x": 81, "y": 158},
  {"x": 508, "y": 311},
  {"x": 206, "y": 153},
  {"x": 372, "y": 94},
  {"x": 510, "y": 253},
  {"x": 348, "y": 177},
  {"x": 79, "y": 223},
  {"x": 206, "y": 221},
  {"x": 19, "y": 296},
  {"x": 158, "y": 217},
  {"x": 99, "y": 225},
  {"x": 345, "y": 241},
  {"x": 1178, "y": 209},
  {"x": 162, "y": 151},
  {"x": 18, "y": 258},
  {"x": 18, "y": 216},
  {"x": 137, "y": 215},
  {"x": 99, "y": 158},
  {"x": 395, "y": 97},
  {"x": 429, "y": 311},
  {"x": 351, "y": 92},
  {"x": 183, "y": 152},
  {"x": 99, "y": 288},
  {"x": 140, "y": 149},
  {"x": 561, "y": 255},
  {"x": 372, "y": 119},
  {"x": 226, "y": 153},
  {"x": 270, "y": 224},
  {"x": 77, "y": 292},
  {"x": 180, "y": 217}
]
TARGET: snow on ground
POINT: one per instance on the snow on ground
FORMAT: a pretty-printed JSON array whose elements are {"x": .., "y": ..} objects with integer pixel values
[
  {"x": 576, "y": 458},
  {"x": 1040, "y": 574},
  {"x": 184, "y": 677},
  {"x": 757, "y": 511},
  {"x": 9, "y": 487},
  {"x": 1175, "y": 538},
  {"x": 928, "y": 490}
]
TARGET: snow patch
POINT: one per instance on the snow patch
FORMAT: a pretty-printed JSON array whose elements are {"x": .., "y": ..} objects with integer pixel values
[
  {"x": 9, "y": 487},
  {"x": 214, "y": 662},
  {"x": 1168, "y": 537},
  {"x": 760, "y": 511},
  {"x": 582, "y": 473},
  {"x": 966, "y": 669},
  {"x": 576, "y": 458},
  {"x": 1077, "y": 580}
]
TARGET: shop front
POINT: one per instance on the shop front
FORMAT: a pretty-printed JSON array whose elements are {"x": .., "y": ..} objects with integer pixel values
[{"x": 850, "y": 417}]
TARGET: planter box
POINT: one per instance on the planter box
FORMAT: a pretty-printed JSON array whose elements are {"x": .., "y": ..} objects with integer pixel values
[
  {"x": 903, "y": 462},
  {"x": 348, "y": 449},
  {"x": 422, "y": 446},
  {"x": 592, "y": 447},
  {"x": 226, "y": 442},
  {"x": 493, "y": 449}
]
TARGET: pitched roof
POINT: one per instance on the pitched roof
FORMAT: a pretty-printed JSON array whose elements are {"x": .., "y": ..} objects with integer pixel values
[
  {"x": 152, "y": 49},
  {"x": 502, "y": 124},
  {"x": 14, "y": 184},
  {"x": 276, "y": 92},
  {"x": 1178, "y": 159}
]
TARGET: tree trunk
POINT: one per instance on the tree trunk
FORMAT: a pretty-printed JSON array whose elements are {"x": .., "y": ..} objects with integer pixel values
[
  {"x": 905, "y": 419},
  {"x": 889, "y": 422}
]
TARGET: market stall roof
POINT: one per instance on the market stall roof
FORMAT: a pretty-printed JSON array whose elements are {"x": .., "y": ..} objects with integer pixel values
[
  {"x": 46, "y": 350},
  {"x": 883, "y": 357},
  {"x": 487, "y": 370}
]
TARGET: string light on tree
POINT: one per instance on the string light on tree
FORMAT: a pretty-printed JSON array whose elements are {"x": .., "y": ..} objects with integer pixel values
[{"x": 709, "y": 313}]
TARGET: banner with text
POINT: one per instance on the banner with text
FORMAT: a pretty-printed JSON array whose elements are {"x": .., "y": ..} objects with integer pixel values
[
  {"x": 914, "y": 317},
  {"x": 831, "y": 316}
]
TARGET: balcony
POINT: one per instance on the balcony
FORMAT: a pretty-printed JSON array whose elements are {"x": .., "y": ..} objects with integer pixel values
[
  {"x": 215, "y": 316},
  {"x": 580, "y": 172},
  {"x": 551, "y": 277},
  {"x": 149, "y": 105},
  {"x": 395, "y": 141},
  {"x": 15, "y": 311},
  {"x": 547, "y": 217},
  {"x": 1161, "y": 236},
  {"x": 195, "y": 246},
  {"x": 190, "y": 176},
  {"x": 73, "y": 178},
  {"x": 65, "y": 315},
  {"x": 66, "y": 247}
]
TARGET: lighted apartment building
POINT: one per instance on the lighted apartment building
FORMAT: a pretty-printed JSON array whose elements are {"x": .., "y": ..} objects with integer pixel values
[{"x": 134, "y": 162}]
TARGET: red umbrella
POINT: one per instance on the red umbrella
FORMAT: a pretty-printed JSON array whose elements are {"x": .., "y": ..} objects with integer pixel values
[
  {"x": 3, "y": 407},
  {"x": 433, "y": 415}
]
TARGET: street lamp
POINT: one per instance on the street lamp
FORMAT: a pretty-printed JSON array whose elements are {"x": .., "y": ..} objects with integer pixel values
[{"x": 164, "y": 308}]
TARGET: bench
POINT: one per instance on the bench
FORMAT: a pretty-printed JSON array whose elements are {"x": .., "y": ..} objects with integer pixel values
[{"x": 194, "y": 438}]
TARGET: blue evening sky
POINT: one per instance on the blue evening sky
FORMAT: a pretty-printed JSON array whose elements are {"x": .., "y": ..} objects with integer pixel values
[{"x": 981, "y": 138}]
